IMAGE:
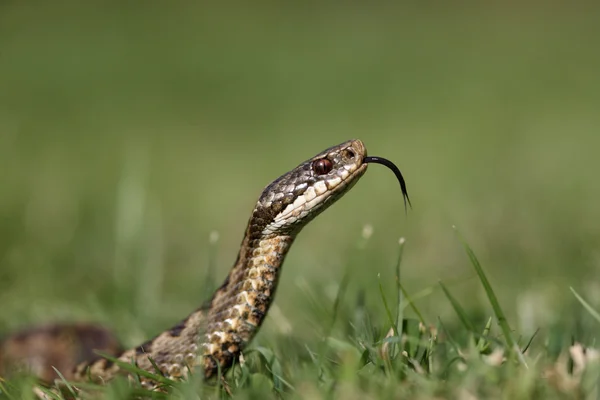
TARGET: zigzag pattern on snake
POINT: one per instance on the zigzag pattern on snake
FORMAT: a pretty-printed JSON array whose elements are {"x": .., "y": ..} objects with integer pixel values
[{"x": 213, "y": 336}]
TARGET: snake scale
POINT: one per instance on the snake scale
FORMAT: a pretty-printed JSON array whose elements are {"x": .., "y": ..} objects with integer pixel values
[{"x": 212, "y": 337}]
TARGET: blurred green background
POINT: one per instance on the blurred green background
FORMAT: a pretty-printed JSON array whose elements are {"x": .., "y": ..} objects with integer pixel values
[{"x": 131, "y": 131}]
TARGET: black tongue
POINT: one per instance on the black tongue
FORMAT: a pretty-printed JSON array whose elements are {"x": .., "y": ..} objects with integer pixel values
[{"x": 393, "y": 167}]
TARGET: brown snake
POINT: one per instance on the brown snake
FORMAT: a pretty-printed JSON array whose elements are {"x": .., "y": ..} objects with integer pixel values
[{"x": 214, "y": 335}]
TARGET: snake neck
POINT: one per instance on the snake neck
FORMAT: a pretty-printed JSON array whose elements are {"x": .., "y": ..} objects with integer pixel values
[
  {"x": 214, "y": 335},
  {"x": 240, "y": 305}
]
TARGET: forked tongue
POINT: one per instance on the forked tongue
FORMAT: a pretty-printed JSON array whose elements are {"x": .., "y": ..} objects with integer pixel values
[{"x": 392, "y": 166}]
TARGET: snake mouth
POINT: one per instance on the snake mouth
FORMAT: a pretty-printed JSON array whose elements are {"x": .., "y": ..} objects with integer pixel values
[{"x": 395, "y": 169}]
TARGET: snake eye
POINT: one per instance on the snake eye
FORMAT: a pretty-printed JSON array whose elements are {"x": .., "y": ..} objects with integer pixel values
[{"x": 322, "y": 166}]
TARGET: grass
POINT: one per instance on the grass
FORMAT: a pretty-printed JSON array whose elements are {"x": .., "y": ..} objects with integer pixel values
[
  {"x": 135, "y": 140},
  {"x": 414, "y": 359}
]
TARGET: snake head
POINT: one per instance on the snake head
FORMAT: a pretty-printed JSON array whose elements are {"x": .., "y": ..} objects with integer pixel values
[{"x": 295, "y": 198}]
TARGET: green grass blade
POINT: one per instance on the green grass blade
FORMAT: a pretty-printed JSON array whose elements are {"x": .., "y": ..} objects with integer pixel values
[
  {"x": 482, "y": 343},
  {"x": 449, "y": 338},
  {"x": 410, "y": 301},
  {"x": 586, "y": 305},
  {"x": 399, "y": 309},
  {"x": 530, "y": 340},
  {"x": 387, "y": 309},
  {"x": 64, "y": 382},
  {"x": 500, "y": 316},
  {"x": 4, "y": 391},
  {"x": 462, "y": 315},
  {"x": 50, "y": 393},
  {"x": 387, "y": 359},
  {"x": 136, "y": 370}
]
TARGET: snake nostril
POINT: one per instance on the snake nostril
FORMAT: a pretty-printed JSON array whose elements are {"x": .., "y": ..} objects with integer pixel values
[{"x": 350, "y": 153}]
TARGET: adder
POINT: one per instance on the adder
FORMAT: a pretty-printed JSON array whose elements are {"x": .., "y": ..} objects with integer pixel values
[{"x": 212, "y": 337}]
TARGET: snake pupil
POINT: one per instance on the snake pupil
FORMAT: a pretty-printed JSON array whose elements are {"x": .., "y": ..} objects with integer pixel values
[{"x": 322, "y": 166}]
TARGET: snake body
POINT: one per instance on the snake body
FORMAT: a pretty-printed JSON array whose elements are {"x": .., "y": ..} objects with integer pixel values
[{"x": 212, "y": 337}]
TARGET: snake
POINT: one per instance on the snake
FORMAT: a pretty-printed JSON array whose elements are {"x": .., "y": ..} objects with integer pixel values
[{"x": 211, "y": 338}]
